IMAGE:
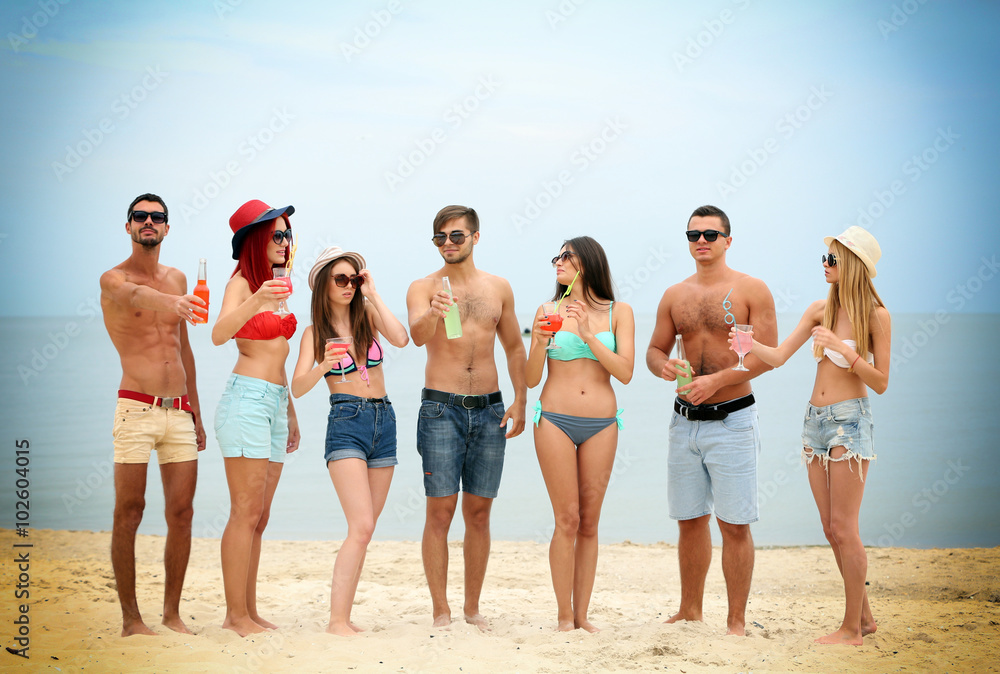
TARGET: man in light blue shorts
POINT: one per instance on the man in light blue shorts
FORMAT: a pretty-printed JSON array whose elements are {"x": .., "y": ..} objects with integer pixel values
[
  {"x": 714, "y": 441},
  {"x": 461, "y": 427}
]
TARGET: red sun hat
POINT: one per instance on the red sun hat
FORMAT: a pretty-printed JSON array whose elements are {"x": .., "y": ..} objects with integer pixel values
[{"x": 253, "y": 213}]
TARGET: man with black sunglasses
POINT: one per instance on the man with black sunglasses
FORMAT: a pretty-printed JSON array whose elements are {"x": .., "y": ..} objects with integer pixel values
[
  {"x": 145, "y": 307},
  {"x": 713, "y": 436},
  {"x": 460, "y": 429}
]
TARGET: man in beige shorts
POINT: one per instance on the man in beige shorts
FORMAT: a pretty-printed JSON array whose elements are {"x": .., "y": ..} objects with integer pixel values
[{"x": 145, "y": 305}]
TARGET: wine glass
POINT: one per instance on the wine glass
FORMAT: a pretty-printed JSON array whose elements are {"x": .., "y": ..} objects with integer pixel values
[
  {"x": 282, "y": 274},
  {"x": 338, "y": 342},
  {"x": 551, "y": 314},
  {"x": 742, "y": 343}
]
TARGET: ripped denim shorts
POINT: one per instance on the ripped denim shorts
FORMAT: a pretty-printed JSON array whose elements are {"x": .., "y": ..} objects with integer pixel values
[{"x": 847, "y": 423}]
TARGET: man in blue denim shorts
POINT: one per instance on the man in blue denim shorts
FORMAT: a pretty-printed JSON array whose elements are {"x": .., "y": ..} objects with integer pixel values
[
  {"x": 714, "y": 442},
  {"x": 460, "y": 430}
]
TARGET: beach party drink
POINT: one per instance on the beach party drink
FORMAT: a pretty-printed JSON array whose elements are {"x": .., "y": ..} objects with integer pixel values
[
  {"x": 339, "y": 346},
  {"x": 281, "y": 273},
  {"x": 550, "y": 313},
  {"x": 742, "y": 342},
  {"x": 452, "y": 321},
  {"x": 201, "y": 291},
  {"x": 683, "y": 374}
]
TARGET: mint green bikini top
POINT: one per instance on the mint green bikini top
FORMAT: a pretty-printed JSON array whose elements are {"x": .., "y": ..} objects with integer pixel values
[{"x": 573, "y": 347}]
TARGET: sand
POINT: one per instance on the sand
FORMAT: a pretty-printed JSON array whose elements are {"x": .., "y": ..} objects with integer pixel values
[{"x": 937, "y": 610}]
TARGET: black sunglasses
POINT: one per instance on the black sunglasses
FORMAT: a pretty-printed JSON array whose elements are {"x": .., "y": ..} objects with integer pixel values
[
  {"x": 280, "y": 236},
  {"x": 456, "y": 237},
  {"x": 343, "y": 280},
  {"x": 566, "y": 255},
  {"x": 710, "y": 235},
  {"x": 830, "y": 260},
  {"x": 158, "y": 217}
]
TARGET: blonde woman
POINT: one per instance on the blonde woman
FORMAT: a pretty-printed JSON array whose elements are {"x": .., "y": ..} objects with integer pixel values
[{"x": 851, "y": 332}]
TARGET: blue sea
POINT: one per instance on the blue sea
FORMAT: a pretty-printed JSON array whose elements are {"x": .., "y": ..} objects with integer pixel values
[{"x": 935, "y": 483}]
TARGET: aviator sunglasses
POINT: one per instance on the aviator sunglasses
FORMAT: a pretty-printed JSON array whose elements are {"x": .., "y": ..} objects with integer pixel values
[
  {"x": 279, "y": 236},
  {"x": 158, "y": 217},
  {"x": 343, "y": 280},
  {"x": 710, "y": 235},
  {"x": 456, "y": 237},
  {"x": 830, "y": 260},
  {"x": 565, "y": 256}
]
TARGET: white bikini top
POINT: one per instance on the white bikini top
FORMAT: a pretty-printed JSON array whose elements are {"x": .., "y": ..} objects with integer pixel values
[{"x": 839, "y": 360}]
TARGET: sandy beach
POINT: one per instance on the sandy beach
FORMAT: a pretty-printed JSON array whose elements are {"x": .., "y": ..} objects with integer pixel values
[{"x": 937, "y": 610}]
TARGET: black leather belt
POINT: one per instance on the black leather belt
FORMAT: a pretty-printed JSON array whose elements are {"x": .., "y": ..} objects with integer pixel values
[
  {"x": 374, "y": 401},
  {"x": 716, "y": 412},
  {"x": 468, "y": 402}
]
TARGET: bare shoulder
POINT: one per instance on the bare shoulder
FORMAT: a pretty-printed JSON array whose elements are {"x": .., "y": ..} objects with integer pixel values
[
  {"x": 426, "y": 285},
  {"x": 816, "y": 309},
  {"x": 112, "y": 278},
  {"x": 175, "y": 278},
  {"x": 497, "y": 283},
  {"x": 880, "y": 320},
  {"x": 622, "y": 309},
  {"x": 752, "y": 284},
  {"x": 677, "y": 291}
]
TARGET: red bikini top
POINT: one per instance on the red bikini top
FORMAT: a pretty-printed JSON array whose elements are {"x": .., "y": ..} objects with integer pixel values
[{"x": 267, "y": 325}]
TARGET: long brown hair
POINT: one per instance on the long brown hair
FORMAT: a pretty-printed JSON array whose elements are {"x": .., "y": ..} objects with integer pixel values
[
  {"x": 322, "y": 315},
  {"x": 856, "y": 293},
  {"x": 595, "y": 273}
]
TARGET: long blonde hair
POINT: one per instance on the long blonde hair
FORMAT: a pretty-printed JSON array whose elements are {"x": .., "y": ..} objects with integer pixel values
[{"x": 856, "y": 293}]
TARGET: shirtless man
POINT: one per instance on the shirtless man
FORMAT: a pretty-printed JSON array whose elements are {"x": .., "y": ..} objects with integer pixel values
[
  {"x": 460, "y": 430},
  {"x": 145, "y": 305},
  {"x": 712, "y": 462}
]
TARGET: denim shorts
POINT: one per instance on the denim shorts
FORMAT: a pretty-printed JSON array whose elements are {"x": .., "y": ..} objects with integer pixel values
[
  {"x": 361, "y": 428},
  {"x": 251, "y": 419},
  {"x": 458, "y": 444},
  {"x": 714, "y": 464},
  {"x": 848, "y": 423}
]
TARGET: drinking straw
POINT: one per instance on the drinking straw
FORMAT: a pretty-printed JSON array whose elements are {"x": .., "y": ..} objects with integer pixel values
[
  {"x": 291, "y": 257},
  {"x": 569, "y": 289}
]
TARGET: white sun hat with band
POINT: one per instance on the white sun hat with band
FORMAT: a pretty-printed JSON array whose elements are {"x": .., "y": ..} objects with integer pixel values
[
  {"x": 861, "y": 243},
  {"x": 330, "y": 254}
]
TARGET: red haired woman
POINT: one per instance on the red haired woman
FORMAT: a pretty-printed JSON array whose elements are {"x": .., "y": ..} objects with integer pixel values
[{"x": 255, "y": 422}]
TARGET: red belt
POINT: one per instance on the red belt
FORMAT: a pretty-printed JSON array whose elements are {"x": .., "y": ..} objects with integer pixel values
[{"x": 177, "y": 403}]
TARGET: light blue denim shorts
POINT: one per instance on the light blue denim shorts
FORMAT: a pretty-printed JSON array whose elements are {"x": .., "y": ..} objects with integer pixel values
[
  {"x": 848, "y": 423},
  {"x": 713, "y": 465},
  {"x": 251, "y": 419},
  {"x": 461, "y": 446}
]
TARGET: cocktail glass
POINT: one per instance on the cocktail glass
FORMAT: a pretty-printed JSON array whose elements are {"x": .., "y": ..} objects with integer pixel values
[
  {"x": 281, "y": 273},
  {"x": 340, "y": 344},
  {"x": 551, "y": 314},
  {"x": 742, "y": 343}
]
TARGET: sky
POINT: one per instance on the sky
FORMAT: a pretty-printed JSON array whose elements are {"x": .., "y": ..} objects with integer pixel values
[{"x": 552, "y": 119}]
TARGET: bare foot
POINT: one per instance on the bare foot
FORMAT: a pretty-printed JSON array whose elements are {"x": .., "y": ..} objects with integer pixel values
[
  {"x": 478, "y": 620},
  {"x": 868, "y": 628},
  {"x": 588, "y": 626},
  {"x": 341, "y": 629},
  {"x": 566, "y": 626},
  {"x": 266, "y": 624},
  {"x": 442, "y": 620},
  {"x": 842, "y": 637},
  {"x": 136, "y": 627},
  {"x": 677, "y": 617},
  {"x": 176, "y": 624},
  {"x": 355, "y": 627},
  {"x": 243, "y": 626},
  {"x": 736, "y": 630}
]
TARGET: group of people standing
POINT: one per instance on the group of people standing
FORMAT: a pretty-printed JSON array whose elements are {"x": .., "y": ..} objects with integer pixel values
[{"x": 463, "y": 423}]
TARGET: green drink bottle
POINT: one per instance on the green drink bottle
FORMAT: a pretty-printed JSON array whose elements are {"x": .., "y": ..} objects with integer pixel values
[
  {"x": 683, "y": 376},
  {"x": 452, "y": 321}
]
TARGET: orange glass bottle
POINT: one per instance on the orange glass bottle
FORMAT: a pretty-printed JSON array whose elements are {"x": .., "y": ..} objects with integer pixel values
[{"x": 201, "y": 290}]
